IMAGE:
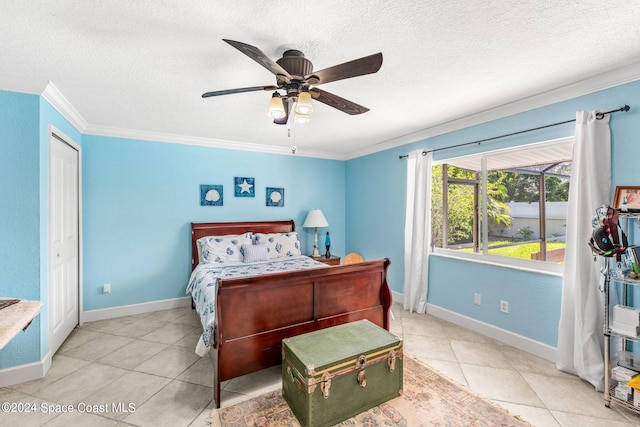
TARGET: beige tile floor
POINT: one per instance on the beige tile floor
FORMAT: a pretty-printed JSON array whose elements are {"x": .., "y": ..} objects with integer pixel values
[{"x": 141, "y": 370}]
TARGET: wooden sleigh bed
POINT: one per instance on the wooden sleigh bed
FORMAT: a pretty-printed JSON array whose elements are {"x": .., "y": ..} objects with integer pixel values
[{"x": 254, "y": 314}]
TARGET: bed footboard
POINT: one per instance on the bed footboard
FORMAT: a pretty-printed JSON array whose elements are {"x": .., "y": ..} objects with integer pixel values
[{"x": 254, "y": 314}]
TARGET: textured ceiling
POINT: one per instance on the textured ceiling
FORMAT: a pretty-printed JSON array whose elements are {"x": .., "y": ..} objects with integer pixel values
[{"x": 141, "y": 66}]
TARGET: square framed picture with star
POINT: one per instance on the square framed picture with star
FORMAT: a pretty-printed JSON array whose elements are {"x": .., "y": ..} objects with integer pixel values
[{"x": 244, "y": 186}]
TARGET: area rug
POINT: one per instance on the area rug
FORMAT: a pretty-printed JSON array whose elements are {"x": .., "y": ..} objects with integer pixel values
[{"x": 428, "y": 399}]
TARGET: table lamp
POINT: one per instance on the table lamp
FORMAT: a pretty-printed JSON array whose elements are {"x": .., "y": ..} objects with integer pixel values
[{"x": 315, "y": 219}]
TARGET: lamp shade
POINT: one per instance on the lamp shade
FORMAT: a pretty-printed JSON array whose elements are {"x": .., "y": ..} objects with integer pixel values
[
  {"x": 304, "y": 105},
  {"x": 315, "y": 218},
  {"x": 276, "y": 106},
  {"x": 301, "y": 118}
]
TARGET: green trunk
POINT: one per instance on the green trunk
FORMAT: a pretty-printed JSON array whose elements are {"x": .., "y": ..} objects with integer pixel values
[{"x": 333, "y": 374}]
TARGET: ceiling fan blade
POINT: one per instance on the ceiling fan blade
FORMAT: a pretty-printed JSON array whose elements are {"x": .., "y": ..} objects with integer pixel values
[
  {"x": 239, "y": 90},
  {"x": 337, "y": 102},
  {"x": 258, "y": 56},
  {"x": 358, "y": 67}
]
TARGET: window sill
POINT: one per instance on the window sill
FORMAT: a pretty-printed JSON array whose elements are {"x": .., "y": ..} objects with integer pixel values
[{"x": 539, "y": 267}]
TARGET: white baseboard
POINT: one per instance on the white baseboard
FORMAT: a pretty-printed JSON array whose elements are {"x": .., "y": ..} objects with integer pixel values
[
  {"x": 397, "y": 297},
  {"x": 518, "y": 341},
  {"x": 128, "y": 310},
  {"x": 37, "y": 370},
  {"x": 507, "y": 337},
  {"x": 24, "y": 373}
]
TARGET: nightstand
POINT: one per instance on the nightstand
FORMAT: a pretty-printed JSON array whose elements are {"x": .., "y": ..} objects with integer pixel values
[{"x": 333, "y": 260}]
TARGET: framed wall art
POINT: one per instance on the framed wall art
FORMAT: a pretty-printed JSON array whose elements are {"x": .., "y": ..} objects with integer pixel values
[
  {"x": 275, "y": 196},
  {"x": 244, "y": 187},
  {"x": 211, "y": 195},
  {"x": 627, "y": 198}
]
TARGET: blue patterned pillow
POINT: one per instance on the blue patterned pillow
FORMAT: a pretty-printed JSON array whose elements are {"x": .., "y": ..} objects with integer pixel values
[
  {"x": 223, "y": 249},
  {"x": 279, "y": 245}
]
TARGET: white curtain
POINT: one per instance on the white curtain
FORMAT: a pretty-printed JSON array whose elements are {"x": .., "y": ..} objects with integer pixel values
[
  {"x": 417, "y": 232},
  {"x": 580, "y": 333}
]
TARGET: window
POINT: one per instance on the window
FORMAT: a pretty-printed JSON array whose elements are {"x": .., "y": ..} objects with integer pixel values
[{"x": 508, "y": 203}]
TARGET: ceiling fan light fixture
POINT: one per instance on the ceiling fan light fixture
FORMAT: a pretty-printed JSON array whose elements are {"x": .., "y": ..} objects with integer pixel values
[
  {"x": 276, "y": 106},
  {"x": 304, "y": 105},
  {"x": 301, "y": 118}
]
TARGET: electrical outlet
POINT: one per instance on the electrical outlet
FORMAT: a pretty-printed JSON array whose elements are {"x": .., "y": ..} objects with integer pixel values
[
  {"x": 106, "y": 288},
  {"x": 477, "y": 299},
  {"x": 504, "y": 306}
]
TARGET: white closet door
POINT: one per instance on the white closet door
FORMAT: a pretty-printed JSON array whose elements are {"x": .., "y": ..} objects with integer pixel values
[{"x": 64, "y": 245}]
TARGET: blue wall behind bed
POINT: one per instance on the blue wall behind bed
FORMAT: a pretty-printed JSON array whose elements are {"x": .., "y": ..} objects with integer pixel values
[{"x": 140, "y": 197}]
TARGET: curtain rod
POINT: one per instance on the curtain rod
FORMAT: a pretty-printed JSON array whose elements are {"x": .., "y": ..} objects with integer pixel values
[{"x": 599, "y": 116}]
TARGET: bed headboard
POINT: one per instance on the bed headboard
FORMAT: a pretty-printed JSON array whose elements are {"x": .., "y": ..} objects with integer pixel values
[{"x": 203, "y": 229}]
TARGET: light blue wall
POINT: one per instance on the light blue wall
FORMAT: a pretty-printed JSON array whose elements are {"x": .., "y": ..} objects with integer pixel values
[
  {"x": 375, "y": 214},
  {"x": 534, "y": 299},
  {"x": 19, "y": 216},
  {"x": 24, "y": 170},
  {"x": 376, "y": 190},
  {"x": 139, "y": 198}
]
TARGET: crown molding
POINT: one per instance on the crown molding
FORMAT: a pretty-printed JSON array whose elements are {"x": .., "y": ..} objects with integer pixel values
[
  {"x": 54, "y": 96},
  {"x": 205, "y": 142},
  {"x": 597, "y": 83},
  {"x": 49, "y": 92},
  {"x": 64, "y": 107}
]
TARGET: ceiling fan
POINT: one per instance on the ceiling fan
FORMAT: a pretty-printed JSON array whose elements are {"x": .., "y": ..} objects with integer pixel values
[{"x": 296, "y": 77}]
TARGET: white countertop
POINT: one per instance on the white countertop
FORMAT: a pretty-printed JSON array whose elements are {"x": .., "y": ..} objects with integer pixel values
[{"x": 15, "y": 318}]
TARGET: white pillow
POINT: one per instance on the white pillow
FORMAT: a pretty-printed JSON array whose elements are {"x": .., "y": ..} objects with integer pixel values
[
  {"x": 201, "y": 241},
  {"x": 255, "y": 253},
  {"x": 223, "y": 249},
  {"x": 279, "y": 245}
]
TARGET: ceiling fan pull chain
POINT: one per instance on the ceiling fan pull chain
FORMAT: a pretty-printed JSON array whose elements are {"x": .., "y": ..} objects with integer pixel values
[{"x": 293, "y": 147}]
